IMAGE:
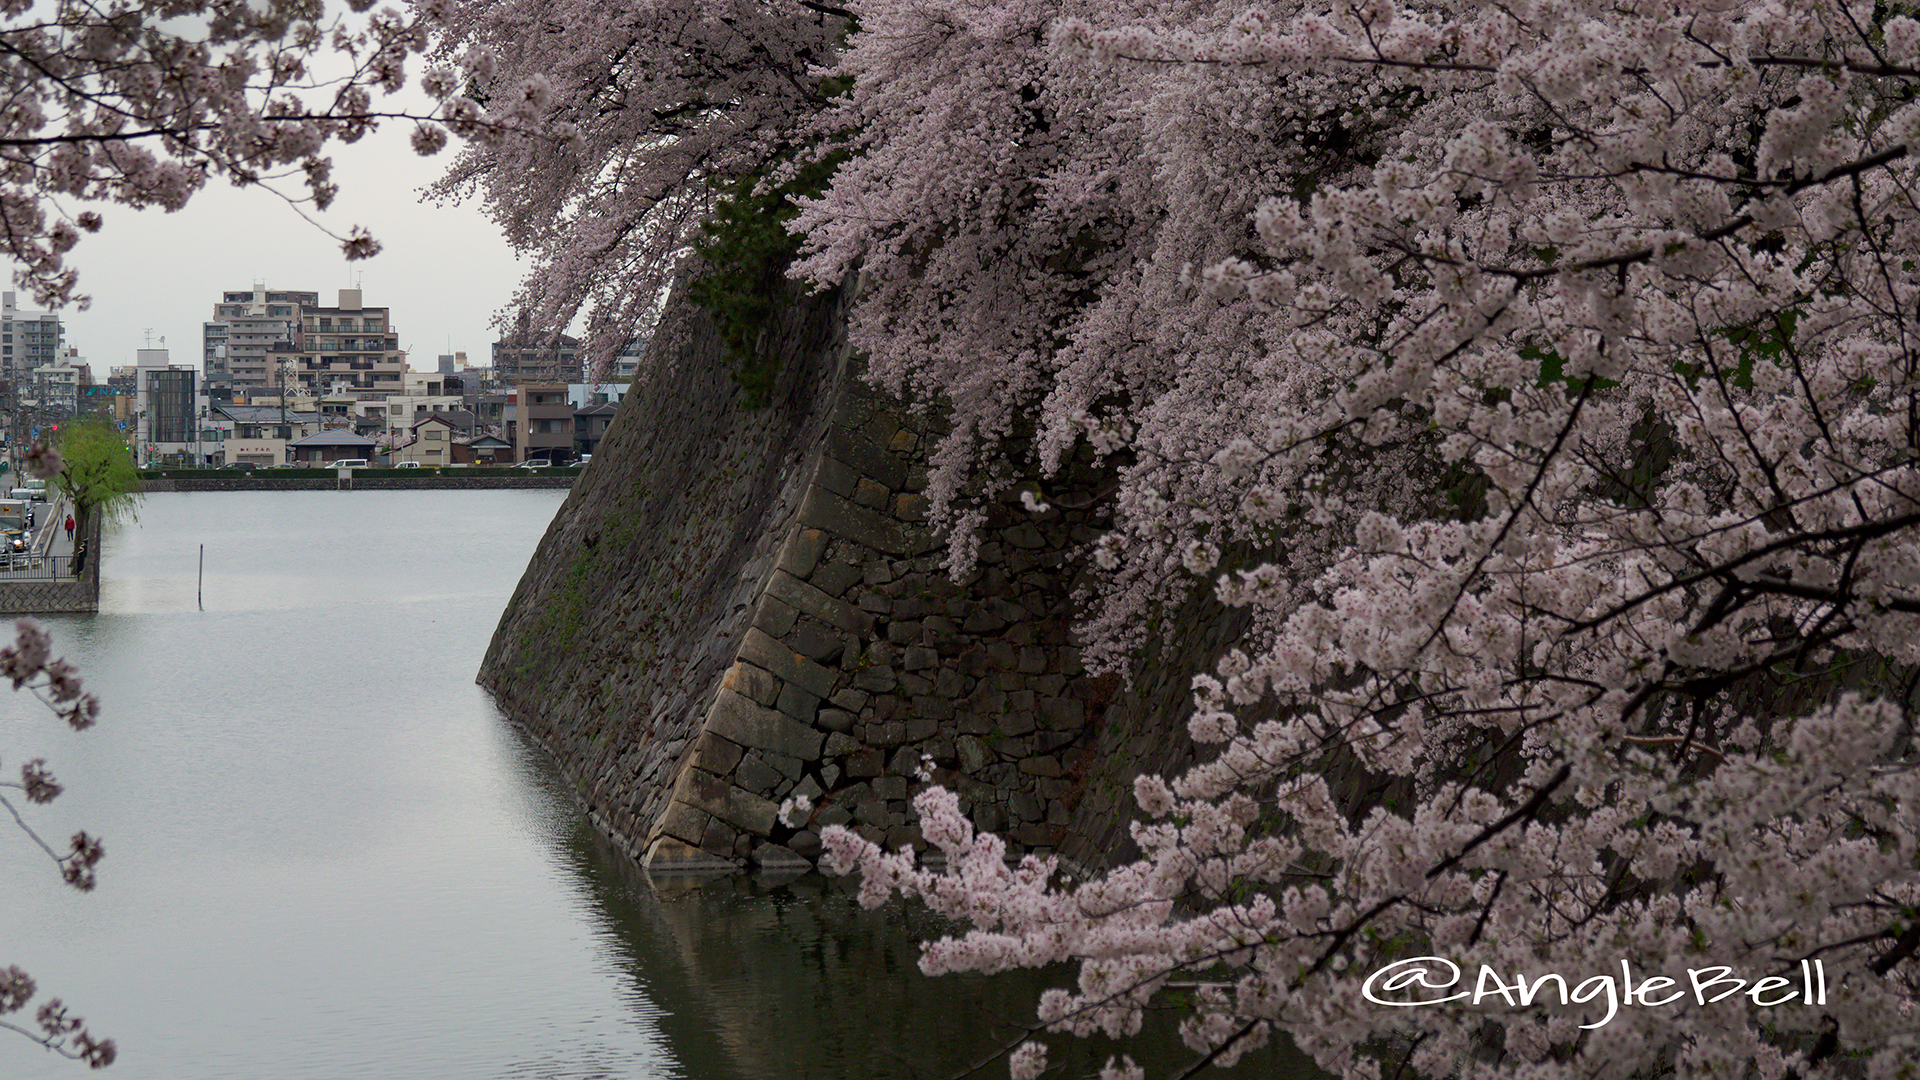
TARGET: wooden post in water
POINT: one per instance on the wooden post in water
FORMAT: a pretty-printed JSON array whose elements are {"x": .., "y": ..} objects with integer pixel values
[{"x": 199, "y": 588}]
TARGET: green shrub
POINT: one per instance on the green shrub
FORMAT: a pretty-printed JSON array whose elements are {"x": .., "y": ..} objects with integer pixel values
[{"x": 747, "y": 250}]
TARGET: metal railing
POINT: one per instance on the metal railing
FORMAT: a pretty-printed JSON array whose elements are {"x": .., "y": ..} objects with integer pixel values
[{"x": 24, "y": 566}]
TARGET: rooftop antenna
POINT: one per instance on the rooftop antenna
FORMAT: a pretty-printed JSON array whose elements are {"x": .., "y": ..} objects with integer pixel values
[{"x": 149, "y": 338}]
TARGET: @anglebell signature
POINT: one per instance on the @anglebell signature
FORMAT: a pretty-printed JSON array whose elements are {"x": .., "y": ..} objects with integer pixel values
[{"x": 1705, "y": 985}]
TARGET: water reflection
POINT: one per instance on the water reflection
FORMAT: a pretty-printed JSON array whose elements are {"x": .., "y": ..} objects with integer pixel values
[
  {"x": 329, "y": 856},
  {"x": 760, "y": 977}
]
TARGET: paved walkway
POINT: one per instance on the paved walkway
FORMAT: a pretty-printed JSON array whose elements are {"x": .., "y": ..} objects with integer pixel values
[{"x": 48, "y": 545}]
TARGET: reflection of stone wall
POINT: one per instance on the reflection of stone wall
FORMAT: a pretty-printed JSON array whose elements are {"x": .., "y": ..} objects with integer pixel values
[
  {"x": 737, "y": 606},
  {"x": 757, "y": 980}
]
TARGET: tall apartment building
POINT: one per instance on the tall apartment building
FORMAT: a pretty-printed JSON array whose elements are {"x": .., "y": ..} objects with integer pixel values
[
  {"x": 251, "y": 332},
  {"x": 350, "y": 349},
  {"x": 528, "y": 358},
  {"x": 28, "y": 339}
]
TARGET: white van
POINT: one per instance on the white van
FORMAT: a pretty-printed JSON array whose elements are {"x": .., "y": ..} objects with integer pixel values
[
  {"x": 39, "y": 489},
  {"x": 351, "y": 463}
]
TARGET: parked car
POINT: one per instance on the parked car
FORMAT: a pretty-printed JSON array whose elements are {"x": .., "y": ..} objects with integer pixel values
[
  {"x": 535, "y": 463},
  {"x": 350, "y": 463},
  {"x": 241, "y": 466},
  {"x": 406, "y": 465}
]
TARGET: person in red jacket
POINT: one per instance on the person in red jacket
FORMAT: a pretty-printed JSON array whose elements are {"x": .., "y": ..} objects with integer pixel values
[{"x": 69, "y": 527}]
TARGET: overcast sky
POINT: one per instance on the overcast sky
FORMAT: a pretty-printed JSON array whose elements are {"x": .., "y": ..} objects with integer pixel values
[{"x": 444, "y": 271}]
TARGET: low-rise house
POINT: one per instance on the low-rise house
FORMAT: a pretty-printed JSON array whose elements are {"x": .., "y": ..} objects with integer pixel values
[
  {"x": 483, "y": 450},
  {"x": 431, "y": 442},
  {"x": 268, "y": 421},
  {"x": 590, "y": 425},
  {"x": 324, "y": 447},
  {"x": 256, "y": 451}
]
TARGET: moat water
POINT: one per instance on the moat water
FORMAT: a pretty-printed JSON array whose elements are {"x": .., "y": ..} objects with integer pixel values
[{"x": 329, "y": 857}]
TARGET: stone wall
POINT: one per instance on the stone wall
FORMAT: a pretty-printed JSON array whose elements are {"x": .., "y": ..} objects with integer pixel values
[
  {"x": 738, "y": 606},
  {"x": 56, "y": 595},
  {"x": 49, "y": 597},
  {"x": 866, "y": 665},
  {"x": 612, "y": 649}
]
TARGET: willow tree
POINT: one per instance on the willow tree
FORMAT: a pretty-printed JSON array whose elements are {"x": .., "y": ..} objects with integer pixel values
[{"x": 97, "y": 474}]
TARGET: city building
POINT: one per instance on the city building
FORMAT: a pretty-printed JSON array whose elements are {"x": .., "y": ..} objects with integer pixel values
[
  {"x": 529, "y": 358},
  {"x": 257, "y": 452},
  {"x": 628, "y": 362},
  {"x": 542, "y": 422},
  {"x": 350, "y": 351},
  {"x": 590, "y": 425},
  {"x": 28, "y": 340},
  {"x": 168, "y": 410},
  {"x": 606, "y": 393},
  {"x": 251, "y": 333},
  {"x": 324, "y": 447},
  {"x": 482, "y": 450},
  {"x": 274, "y": 422},
  {"x": 430, "y": 442},
  {"x": 52, "y": 388},
  {"x": 404, "y": 412},
  {"x": 108, "y": 402},
  {"x": 489, "y": 410}
]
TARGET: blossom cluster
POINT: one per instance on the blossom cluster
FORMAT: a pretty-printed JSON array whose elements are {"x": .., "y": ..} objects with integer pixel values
[
  {"x": 649, "y": 108},
  {"x": 29, "y": 664},
  {"x": 141, "y": 105},
  {"x": 1542, "y": 379}
]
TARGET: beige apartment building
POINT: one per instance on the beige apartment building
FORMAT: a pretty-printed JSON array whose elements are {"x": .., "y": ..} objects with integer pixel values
[
  {"x": 251, "y": 332},
  {"x": 350, "y": 350}
]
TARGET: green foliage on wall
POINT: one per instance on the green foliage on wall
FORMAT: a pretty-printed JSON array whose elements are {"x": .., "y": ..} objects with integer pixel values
[{"x": 747, "y": 250}]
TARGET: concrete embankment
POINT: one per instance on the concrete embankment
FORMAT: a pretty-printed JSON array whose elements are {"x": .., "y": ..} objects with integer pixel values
[{"x": 534, "y": 478}]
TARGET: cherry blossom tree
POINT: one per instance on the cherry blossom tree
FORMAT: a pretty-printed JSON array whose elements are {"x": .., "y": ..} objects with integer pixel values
[
  {"x": 141, "y": 104},
  {"x": 1543, "y": 376},
  {"x": 656, "y": 107},
  {"x": 31, "y": 666}
]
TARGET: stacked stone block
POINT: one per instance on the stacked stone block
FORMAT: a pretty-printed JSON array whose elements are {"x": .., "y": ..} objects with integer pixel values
[
  {"x": 735, "y": 607},
  {"x": 867, "y": 670},
  {"x": 614, "y": 645}
]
